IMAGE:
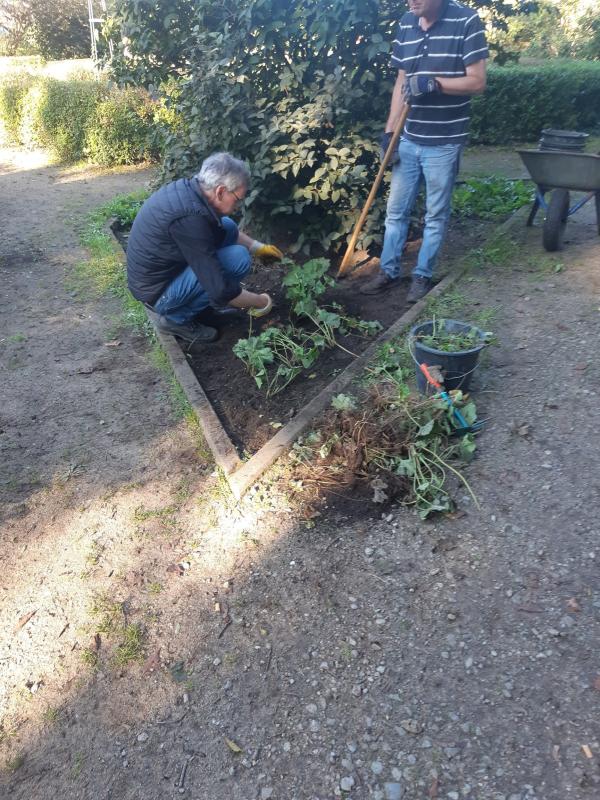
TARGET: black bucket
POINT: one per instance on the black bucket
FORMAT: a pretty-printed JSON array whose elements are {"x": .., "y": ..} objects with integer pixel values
[
  {"x": 563, "y": 140},
  {"x": 457, "y": 368}
]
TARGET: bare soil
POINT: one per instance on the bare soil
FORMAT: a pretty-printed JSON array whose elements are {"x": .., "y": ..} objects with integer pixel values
[{"x": 357, "y": 654}]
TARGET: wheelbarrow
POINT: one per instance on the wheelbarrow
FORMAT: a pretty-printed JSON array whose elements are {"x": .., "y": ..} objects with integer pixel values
[{"x": 561, "y": 172}]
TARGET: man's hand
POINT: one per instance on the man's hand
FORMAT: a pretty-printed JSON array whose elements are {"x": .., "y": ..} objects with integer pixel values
[
  {"x": 266, "y": 252},
  {"x": 417, "y": 85},
  {"x": 384, "y": 143},
  {"x": 264, "y": 310}
]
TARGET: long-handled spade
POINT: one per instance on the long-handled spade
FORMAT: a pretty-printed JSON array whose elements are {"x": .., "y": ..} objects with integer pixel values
[{"x": 347, "y": 261}]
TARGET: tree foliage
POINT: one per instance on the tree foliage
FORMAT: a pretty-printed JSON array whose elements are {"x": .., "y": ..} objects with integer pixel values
[{"x": 53, "y": 29}]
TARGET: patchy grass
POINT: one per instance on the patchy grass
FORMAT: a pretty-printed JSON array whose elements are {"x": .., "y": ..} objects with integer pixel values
[{"x": 131, "y": 647}]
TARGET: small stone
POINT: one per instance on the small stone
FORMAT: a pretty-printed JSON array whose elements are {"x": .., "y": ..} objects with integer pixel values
[
  {"x": 287, "y": 747},
  {"x": 216, "y": 662},
  {"x": 266, "y": 793},
  {"x": 143, "y": 737},
  {"x": 376, "y": 767},
  {"x": 311, "y": 708},
  {"x": 315, "y": 726},
  {"x": 347, "y": 783},
  {"x": 392, "y": 791}
]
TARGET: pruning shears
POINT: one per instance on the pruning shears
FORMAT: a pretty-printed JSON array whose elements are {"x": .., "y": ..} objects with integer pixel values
[{"x": 463, "y": 425}]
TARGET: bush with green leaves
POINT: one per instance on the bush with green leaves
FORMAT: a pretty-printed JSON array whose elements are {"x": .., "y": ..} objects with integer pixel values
[
  {"x": 522, "y": 100},
  {"x": 120, "y": 129},
  {"x": 82, "y": 117},
  {"x": 13, "y": 91},
  {"x": 298, "y": 93}
]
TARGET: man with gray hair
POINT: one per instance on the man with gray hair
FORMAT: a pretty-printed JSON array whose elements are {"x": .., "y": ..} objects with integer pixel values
[{"x": 186, "y": 255}]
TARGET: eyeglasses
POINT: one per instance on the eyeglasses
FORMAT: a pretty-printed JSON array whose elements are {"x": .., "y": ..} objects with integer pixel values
[{"x": 237, "y": 197}]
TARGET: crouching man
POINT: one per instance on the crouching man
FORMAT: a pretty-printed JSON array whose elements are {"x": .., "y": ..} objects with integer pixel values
[{"x": 185, "y": 255}]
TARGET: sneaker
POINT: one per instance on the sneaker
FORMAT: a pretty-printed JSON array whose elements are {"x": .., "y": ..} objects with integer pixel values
[
  {"x": 192, "y": 333},
  {"x": 418, "y": 288},
  {"x": 379, "y": 283}
]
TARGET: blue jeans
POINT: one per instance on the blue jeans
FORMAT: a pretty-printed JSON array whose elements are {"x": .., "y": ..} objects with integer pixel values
[
  {"x": 437, "y": 165},
  {"x": 184, "y": 297}
]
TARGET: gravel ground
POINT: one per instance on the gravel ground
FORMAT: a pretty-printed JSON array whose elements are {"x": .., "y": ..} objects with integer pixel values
[{"x": 359, "y": 654}]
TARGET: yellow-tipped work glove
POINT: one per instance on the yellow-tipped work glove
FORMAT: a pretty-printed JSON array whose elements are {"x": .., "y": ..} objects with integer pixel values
[
  {"x": 262, "y": 312},
  {"x": 266, "y": 252}
]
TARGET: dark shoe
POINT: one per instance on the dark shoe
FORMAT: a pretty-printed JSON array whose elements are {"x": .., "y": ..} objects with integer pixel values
[
  {"x": 217, "y": 317},
  {"x": 379, "y": 283},
  {"x": 418, "y": 288},
  {"x": 192, "y": 333}
]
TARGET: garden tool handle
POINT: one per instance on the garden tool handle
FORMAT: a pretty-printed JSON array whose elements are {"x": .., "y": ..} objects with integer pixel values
[
  {"x": 361, "y": 220},
  {"x": 430, "y": 378}
]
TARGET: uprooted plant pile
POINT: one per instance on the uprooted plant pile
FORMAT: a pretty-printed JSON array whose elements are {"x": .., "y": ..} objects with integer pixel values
[
  {"x": 392, "y": 443},
  {"x": 280, "y": 353}
]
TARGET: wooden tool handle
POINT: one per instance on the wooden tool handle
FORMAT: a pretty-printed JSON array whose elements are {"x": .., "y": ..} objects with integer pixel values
[{"x": 361, "y": 220}]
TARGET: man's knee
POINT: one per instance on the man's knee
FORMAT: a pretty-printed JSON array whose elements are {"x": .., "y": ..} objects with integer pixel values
[{"x": 235, "y": 259}]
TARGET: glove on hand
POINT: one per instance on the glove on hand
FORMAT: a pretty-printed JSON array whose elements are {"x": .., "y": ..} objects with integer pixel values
[
  {"x": 384, "y": 143},
  {"x": 266, "y": 252},
  {"x": 262, "y": 312},
  {"x": 418, "y": 85}
]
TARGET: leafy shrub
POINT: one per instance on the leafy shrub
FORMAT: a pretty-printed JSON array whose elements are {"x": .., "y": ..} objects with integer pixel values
[
  {"x": 12, "y": 95},
  {"x": 119, "y": 132},
  {"x": 57, "y": 113},
  {"x": 490, "y": 197},
  {"x": 522, "y": 100}
]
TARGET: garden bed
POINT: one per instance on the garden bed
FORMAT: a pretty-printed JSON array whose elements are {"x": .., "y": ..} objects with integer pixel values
[{"x": 249, "y": 417}]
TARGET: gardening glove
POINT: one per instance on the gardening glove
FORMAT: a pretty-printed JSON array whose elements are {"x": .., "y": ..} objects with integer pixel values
[
  {"x": 384, "y": 143},
  {"x": 418, "y": 85},
  {"x": 265, "y": 252},
  {"x": 262, "y": 312}
]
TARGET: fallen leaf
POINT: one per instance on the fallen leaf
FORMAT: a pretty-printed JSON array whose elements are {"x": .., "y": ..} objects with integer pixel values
[
  {"x": 581, "y": 367},
  {"x": 152, "y": 663},
  {"x": 573, "y": 605},
  {"x": 24, "y": 620},
  {"x": 276, "y": 425},
  {"x": 113, "y": 343},
  {"x": 178, "y": 672},
  {"x": 175, "y": 569},
  {"x": 586, "y": 751},
  {"x": 433, "y": 789},
  {"x": 596, "y": 683},
  {"x": 235, "y": 748}
]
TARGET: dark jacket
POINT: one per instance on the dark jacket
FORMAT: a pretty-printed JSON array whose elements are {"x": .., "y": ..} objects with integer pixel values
[{"x": 173, "y": 229}]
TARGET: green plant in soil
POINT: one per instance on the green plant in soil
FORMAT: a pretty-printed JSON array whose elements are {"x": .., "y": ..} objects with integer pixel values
[
  {"x": 279, "y": 354},
  {"x": 490, "y": 197},
  {"x": 449, "y": 341},
  {"x": 393, "y": 443}
]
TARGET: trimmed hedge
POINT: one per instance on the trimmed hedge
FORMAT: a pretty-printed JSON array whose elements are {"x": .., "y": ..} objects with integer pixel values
[
  {"x": 522, "y": 100},
  {"x": 79, "y": 118}
]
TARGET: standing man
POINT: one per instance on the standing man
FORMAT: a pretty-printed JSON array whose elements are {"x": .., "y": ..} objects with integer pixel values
[
  {"x": 440, "y": 54},
  {"x": 185, "y": 254}
]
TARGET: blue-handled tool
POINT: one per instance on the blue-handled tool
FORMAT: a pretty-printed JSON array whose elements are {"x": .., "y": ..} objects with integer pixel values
[{"x": 464, "y": 426}]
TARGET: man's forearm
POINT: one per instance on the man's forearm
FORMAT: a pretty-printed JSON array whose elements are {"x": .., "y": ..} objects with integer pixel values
[
  {"x": 397, "y": 103},
  {"x": 465, "y": 85},
  {"x": 245, "y": 240},
  {"x": 246, "y": 299}
]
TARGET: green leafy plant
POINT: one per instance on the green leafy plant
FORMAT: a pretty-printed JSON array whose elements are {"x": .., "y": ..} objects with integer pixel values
[
  {"x": 491, "y": 197},
  {"x": 288, "y": 350},
  {"x": 392, "y": 442},
  {"x": 448, "y": 341}
]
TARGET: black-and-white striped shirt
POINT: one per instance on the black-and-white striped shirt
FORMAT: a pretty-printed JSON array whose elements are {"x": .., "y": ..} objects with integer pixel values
[{"x": 454, "y": 41}]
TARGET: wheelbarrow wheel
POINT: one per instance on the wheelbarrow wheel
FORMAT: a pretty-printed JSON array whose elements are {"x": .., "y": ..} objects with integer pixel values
[{"x": 556, "y": 220}]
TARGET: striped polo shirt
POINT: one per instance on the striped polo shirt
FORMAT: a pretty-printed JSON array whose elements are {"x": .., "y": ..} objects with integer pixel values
[{"x": 454, "y": 41}]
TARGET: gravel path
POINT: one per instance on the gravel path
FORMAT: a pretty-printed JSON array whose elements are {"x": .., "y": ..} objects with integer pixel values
[{"x": 354, "y": 655}]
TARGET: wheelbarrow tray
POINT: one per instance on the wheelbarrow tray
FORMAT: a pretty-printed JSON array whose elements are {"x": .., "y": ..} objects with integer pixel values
[{"x": 579, "y": 172}]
